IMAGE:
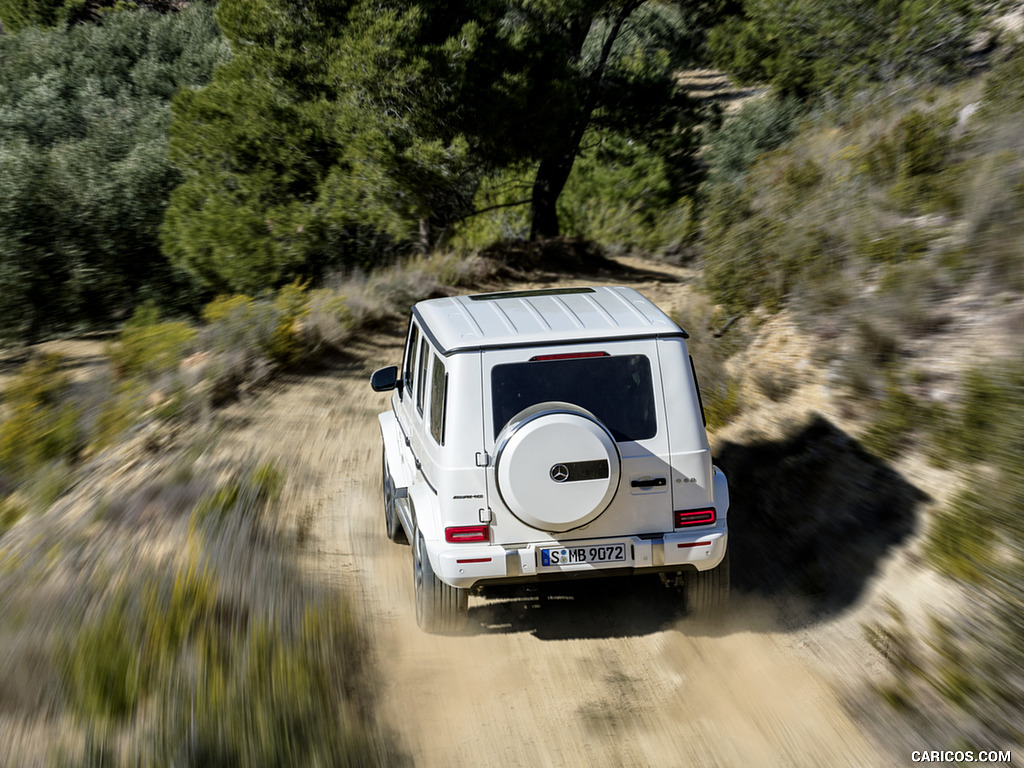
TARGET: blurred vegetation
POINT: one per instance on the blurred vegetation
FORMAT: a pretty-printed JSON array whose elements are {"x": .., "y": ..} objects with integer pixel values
[
  {"x": 289, "y": 159},
  {"x": 16, "y": 15},
  {"x": 161, "y": 374},
  {"x": 293, "y": 168},
  {"x": 808, "y": 49},
  {"x": 866, "y": 202},
  {"x": 84, "y": 171},
  {"x": 918, "y": 179},
  {"x": 41, "y": 424},
  {"x": 973, "y": 664},
  {"x": 203, "y": 657},
  {"x": 147, "y": 347},
  {"x": 193, "y": 658}
]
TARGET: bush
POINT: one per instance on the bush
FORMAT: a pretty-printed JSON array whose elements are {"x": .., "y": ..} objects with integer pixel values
[
  {"x": 895, "y": 245},
  {"x": 806, "y": 48},
  {"x": 11, "y": 511},
  {"x": 912, "y": 157},
  {"x": 719, "y": 391},
  {"x": 762, "y": 125},
  {"x": 42, "y": 424},
  {"x": 16, "y": 15},
  {"x": 84, "y": 172},
  {"x": 286, "y": 346},
  {"x": 979, "y": 540},
  {"x": 624, "y": 196},
  {"x": 148, "y": 348},
  {"x": 246, "y": 496},
  {"x": 239, "y": 324},
  {"x": 219, "y": 662},
  {"x": 1004, "y": 86},
  {"x": 994, "y": 209},
  {"x": 894, "y": 421}
]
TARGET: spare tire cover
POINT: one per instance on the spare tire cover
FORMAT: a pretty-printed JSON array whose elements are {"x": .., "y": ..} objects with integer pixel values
[{"x": 557, "y": 466}]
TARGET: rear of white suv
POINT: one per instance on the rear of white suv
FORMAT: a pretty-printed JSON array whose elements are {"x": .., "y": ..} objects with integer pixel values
[{"x": 547, "y": 435}]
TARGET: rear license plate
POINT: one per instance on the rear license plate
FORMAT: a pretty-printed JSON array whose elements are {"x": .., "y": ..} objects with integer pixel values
[{"x": 595, "y": 553}]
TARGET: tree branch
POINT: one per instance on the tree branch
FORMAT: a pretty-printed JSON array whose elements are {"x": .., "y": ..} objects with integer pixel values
[{"x": 493, "y": 208}]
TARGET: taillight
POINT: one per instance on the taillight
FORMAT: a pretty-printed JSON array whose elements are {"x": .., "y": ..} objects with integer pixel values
[
  {"x": 695, "y": 517},
  {"x": 461, "y": 534}
]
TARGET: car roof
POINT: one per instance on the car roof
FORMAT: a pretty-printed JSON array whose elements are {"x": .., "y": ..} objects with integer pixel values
[{"x": 541, "y": 317}]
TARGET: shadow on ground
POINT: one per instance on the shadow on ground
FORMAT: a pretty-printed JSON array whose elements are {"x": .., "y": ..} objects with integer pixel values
[{"x": 811, "y": 517}]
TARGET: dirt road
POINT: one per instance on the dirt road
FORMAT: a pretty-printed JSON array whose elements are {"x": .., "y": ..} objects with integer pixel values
[{"x": 600, "y": 673}]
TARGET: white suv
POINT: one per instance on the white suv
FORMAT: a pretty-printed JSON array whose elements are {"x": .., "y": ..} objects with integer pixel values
[{"x": 549, "y": 434}]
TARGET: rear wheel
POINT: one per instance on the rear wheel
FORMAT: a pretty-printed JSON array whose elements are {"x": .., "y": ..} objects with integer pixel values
[
  {"x": 706, "y": 593},
  {"x": 392, "y": 525},
  {"x": 440, "y": 608}
]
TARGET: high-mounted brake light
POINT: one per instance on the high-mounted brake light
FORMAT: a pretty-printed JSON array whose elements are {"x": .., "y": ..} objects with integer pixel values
[
  {"x": 568, "y": 356},
  {"x": 461, "y": 534},
  {"x": 695, "y": 517}
]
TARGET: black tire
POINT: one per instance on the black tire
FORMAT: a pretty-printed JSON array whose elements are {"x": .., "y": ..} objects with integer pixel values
[
  {"x": 440, "y": 608},
  {"x": 706, "y": 593},
  {"x": 392, "y": 525}
]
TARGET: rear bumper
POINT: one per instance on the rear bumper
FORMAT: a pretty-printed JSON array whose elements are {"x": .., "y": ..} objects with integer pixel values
[{"x": 468, "y": 565}]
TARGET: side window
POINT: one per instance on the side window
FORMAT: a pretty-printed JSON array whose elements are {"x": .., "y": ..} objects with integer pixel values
[
  {"x": 421, "y": 375},
  {"x": 409, "y": 366},
  {"x": 438, "y": 400}
]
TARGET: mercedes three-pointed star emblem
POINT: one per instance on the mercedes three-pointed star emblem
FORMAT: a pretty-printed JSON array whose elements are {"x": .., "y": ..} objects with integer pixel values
[{"x": 559, "y": 473}]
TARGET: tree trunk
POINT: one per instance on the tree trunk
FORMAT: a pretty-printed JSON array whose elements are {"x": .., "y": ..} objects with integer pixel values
[
  {"x": 556, "y": 166},
  {"x": 425, "y": 240},
  {"x": 551, "y": 177}
]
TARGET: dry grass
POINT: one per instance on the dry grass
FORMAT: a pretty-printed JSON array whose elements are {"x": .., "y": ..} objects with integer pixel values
[
  {"x": 153, "y": 613},
  {"x": 155, "y": 616}
]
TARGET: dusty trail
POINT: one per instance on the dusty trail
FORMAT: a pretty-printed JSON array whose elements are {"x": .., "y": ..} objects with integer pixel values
[{"x": 599, "y": 673}]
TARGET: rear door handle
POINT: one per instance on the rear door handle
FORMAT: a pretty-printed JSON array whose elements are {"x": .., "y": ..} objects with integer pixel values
[{"x": 656, "y": 482}]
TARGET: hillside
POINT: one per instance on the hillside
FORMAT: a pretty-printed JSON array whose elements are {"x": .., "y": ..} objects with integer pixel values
[{"x": 193, "y": 569}]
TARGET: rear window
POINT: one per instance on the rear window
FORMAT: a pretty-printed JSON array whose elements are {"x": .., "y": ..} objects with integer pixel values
[{"x": 617, "y": 390}]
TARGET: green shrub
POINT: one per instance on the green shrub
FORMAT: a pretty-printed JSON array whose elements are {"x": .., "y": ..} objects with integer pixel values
[
  {"x": 12, "y": 510},
  {"x": 994, "y": 209},
  {"x": 1004, "y": 86},
  {"x": 722, "y": 403},
  {"x": 960, "y": 540},
  {"x": 122, "y": 655},
  {"x": 874, "y": 349},
  {"x": 287, "y": 346},
  {"x": 269, "y": 328},
  {"x": 108, "y": 668},
  {"x": 895, "y": 245},
  {"x": 118, "y": 412},
  {"x": 246, "y": 495},
  {"x": 239, "y": 324},
  {"x": 986, "y": 428},
  {"x": 739, "y": 255},
  {"x": 895, "y": 419},
  {"x": 198, "y": 666},
  {"x": 720, "y": 392},
  {"x": 42, "y": 425},
  {"x": 84, "y": 171},
  {"x": 915, "y": 159},
  {"x": 811, "y": 49},
  {"x": 270, "y": 697},
  {"x": 761, "y": 125},
  {"x": 625, "y": 196},
  {"x": 331, "y": 317},
  {"x": 148, "y": 348}
]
